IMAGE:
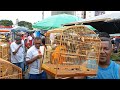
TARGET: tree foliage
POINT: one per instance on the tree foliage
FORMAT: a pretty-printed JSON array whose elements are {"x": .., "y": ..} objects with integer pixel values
[
  {"x": 25, "y": 24},
  {"x": 6, "y": 22}
]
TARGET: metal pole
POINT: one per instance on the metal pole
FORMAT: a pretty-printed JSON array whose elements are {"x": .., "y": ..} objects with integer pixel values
[
  {"x": 84, "y": 14},
  {"x": 75, "y": 13},
  {"x": 42, "y": 15}
]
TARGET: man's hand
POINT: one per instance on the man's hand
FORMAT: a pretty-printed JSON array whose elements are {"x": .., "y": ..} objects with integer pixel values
[
  {"x": 34, "y": 59},
  {"x": 17, "y": 49},
  {"x": 38, "y": 56}
]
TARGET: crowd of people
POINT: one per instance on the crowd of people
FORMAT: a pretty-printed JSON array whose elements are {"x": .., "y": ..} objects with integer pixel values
[
  {"x": 26, "y": 52},
  {"x": 30, "y": 59}
]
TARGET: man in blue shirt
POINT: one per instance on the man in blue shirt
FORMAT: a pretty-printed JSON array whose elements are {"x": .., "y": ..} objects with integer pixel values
[{"x": 107, "y": 68}]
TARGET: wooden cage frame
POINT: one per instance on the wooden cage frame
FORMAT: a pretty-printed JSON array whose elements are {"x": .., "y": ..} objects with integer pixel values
[
  {"x": 4, "y": 50},
  {"x": 82, "y": 32},
  {"x": 9, "y": 70}
]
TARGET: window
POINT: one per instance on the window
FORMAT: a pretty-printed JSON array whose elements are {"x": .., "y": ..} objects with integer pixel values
[{"x": 97, "y": 13}]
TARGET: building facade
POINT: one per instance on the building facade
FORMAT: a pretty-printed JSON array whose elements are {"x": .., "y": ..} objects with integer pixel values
[
  {"x": 62, "y": 12},
  {"x": 97, "y": 13},
  {"x": 89, "y": 14},
  {"x": 81, "y": 14}
]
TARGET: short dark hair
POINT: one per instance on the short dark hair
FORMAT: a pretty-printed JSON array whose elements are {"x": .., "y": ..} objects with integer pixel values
[
  {"x": 30, "y": 33},
  {"x": 37, "y": 38},
  {"x": 104, "y": 34},
  {"x": 18, "y": 38},
  {"x": 105, "y": 37}
]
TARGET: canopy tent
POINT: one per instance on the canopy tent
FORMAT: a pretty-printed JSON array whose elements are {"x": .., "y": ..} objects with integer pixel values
[
  {"x": 88, "y": 26},
  {"x": 31, "y": 31},
  {"x": 55, "y": 21},
  {"x": 19, "y": 29},
  {"x": 109, "y": 23}
]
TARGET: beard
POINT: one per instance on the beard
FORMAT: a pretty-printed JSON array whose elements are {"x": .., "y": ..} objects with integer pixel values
[{"x": 103, "y": 59}]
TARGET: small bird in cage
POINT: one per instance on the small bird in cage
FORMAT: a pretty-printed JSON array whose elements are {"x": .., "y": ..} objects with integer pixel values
[{"x": 56, "y": 54}]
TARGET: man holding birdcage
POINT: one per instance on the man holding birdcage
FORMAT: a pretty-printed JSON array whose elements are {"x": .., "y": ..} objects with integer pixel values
[{"x": 107, "y": 69}]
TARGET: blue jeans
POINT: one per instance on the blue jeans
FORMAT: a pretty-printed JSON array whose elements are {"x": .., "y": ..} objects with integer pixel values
[
  {"x": 42, "y": 75},
  {"x": 21, "y": 65}
]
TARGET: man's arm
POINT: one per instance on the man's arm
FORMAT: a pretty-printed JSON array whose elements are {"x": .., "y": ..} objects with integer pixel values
[
  {"x": 17, "y": 49},
  {"x": 33, "y": 59},
  {"x": 30, "y": 59},
  {"x": 13, "y": 49}
]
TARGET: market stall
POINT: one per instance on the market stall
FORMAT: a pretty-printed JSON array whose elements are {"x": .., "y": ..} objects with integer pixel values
[{"x": 4, "y": 50}]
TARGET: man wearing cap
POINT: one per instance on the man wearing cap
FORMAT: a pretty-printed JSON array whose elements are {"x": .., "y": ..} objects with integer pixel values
[{"x": 17, "y": 53}]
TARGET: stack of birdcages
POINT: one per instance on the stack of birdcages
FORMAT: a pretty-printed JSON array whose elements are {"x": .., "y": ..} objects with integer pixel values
[{"x": 4, "y": 50}]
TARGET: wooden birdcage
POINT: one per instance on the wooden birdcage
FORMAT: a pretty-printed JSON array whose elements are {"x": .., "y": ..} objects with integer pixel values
[
  {"x": 74, "y": 52},
  {"x": 9, "y": 70},
  {"x": 4, "y": 50}
]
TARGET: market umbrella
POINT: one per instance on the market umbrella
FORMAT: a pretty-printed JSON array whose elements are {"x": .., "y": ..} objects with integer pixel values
[
  {"x": 19, "y": 29},
  {"x": 55, "y": 21}
]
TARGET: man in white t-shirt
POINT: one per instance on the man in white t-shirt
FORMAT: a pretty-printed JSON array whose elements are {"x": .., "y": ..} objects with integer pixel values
[
  {"x": 34, "y": 59},
  {"x": 17, "y": 53}
]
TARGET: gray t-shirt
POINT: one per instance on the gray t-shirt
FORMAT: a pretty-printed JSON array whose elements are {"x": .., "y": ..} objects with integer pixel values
[
  {"x": 19, "y": 56},
  {"x": 34, "y": 68}
]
